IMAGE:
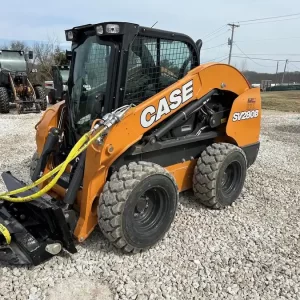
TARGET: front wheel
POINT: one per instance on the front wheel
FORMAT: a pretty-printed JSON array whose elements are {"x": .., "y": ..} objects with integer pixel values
[
  {"x": 137, "y": 206},
  {"x": 219, "y": 175}
]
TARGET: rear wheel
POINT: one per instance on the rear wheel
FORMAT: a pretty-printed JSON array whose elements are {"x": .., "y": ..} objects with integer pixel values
[
  {"x": 219, "y": 175},
  {"x": 137, "y": 206},
  {"x": 40, "y": 94},
  {"x": 4, "y": 101}
]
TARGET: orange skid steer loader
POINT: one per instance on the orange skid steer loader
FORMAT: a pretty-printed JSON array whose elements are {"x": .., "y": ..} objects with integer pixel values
[{"x": 142, "y": 122}]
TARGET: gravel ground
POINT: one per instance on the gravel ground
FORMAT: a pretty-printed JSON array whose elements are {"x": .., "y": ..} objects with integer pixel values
[{"x": 249, "y": 251}]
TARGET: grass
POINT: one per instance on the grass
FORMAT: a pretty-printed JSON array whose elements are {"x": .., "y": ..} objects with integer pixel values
[{"x": 288, "y": 101}]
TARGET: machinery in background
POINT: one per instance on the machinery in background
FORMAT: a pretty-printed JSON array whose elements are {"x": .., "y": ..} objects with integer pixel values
[
  {"x": 15, "y": 86},
  {"x": 59, "y": 73}
]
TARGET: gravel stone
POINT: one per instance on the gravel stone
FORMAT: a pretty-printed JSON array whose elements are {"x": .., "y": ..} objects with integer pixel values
[{"x": 248, "y": 251}]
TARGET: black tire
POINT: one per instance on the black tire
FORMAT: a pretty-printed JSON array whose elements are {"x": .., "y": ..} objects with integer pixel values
[
  {"x": 51, "y": 97},
  {"x": 40, "y": 94},
  {"x": 130, "y": 220},
  {"x": 219, "y": 175},
  {"x": 33, "y": 163},
  {"x": 4, "y": 101}
]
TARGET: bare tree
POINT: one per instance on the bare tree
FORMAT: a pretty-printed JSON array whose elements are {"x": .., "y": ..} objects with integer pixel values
[
  {"x": 47, "y": 54},
  {"x": 243, "y": 67},
  {"x": 19, "y": 46},
  {"x": 16, "y": 45}
]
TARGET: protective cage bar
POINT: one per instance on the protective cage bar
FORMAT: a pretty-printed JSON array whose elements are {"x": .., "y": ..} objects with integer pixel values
[{"x": 154, "y": 64}]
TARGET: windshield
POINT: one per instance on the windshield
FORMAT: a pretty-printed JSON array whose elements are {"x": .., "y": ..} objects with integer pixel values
[{"x": 89, "y": 80}]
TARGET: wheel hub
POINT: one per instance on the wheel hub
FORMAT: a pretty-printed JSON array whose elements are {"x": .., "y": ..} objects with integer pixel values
[
  {"x": 141, "y": 206},
  {"x": 230, "y": 177}
]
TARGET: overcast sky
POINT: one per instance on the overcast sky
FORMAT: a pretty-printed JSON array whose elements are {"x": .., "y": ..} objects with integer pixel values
[{"x": 35, "y": 20}]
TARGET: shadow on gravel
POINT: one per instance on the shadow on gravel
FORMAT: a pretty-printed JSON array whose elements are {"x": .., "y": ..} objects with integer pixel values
[
  {"x": 188, "y": 200},
  {"x": 97, "y": 242}
]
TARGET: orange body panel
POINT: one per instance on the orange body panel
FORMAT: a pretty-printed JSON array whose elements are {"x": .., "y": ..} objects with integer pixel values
[
  {"x": 183, "y": 174},
  {"x": 247, "y": 107},
  {"x": 130, "y": 130},
  {"x": 49, "y": 119}
]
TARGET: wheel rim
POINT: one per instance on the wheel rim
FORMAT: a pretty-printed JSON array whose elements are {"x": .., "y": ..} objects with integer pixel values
[
  {"x": 231, "y": 177},
  {"x": 149, "y": 210}
]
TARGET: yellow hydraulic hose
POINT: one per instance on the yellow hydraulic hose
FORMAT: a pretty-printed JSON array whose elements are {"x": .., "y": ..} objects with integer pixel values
[
  {"x": 80, "y": 146},
  {"x": 40, "y": 180},
  {"x": 5, "y": 233}
]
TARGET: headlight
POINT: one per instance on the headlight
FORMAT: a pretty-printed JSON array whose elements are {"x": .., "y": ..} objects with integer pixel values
[
  {"x": 112, "y": 28},
  {"x": 99, "y": 29}
]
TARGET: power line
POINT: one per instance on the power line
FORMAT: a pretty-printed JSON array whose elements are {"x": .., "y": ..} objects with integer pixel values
[
  {"x": 268, "y": 18},
  {"x": 215, "y": 46},
  {"x": 214, "y": 32},
  {"x": 254, "y": 23},
  {"x": 294, "y": 65},
  {"x": 223, "y": 59},
  {"x": 293, "y": 54},
  {"x": 217, "y": 36},
  {"x": 267, "y": 59},
  {"x": 275, "y": 39},
  {"x": 248, "y": 56},
  {"x": 217, "y": 58}
]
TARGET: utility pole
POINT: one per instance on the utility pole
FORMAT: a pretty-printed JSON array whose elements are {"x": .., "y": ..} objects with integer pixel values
[
  {"x": 276, "y": 79},
  {"x": 284, "y": 71},
  {"x": 230, "y": 41}
]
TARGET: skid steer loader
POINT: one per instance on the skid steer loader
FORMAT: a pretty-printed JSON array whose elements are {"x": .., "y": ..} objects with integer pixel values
[
  {"x": 15, "y": 86},
  {"x": 142, "y": 122}
]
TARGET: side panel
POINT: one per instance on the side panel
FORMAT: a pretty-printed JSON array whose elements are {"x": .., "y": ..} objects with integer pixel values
[
  {"x": 245, "y": 118},
  {"x": 183, "y": 174},
  {"x": 142, "y": 118}
]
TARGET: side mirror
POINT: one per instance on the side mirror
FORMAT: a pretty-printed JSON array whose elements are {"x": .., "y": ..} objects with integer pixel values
[
  {"x": 69, "y": 55},
  {"x": 30, "y": 54}
]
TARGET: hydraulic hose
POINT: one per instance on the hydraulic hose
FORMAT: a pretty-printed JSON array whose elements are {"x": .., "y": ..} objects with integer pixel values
[
  {"x": 46, "y": 176},
  {"x": 80, "y": 146},
  {"x": 107, "y": 121},
  {"x": 5, "y": 233}
]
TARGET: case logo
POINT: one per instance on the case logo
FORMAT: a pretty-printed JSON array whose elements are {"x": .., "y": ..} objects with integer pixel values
[{"x": 177, "y": 97}]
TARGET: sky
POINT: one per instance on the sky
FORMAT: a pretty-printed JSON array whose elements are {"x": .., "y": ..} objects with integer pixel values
[{"x": 280, "y": 40}]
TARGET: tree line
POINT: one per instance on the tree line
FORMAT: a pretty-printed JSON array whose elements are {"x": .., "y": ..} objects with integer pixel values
[{"x": 289, "y": 77}]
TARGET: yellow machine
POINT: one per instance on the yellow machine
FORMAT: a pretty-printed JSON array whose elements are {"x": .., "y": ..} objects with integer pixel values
[{"x": 142, "y": 122}]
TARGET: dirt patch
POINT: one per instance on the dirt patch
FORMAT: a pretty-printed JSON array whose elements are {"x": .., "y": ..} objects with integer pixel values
[{"x": 79, "y": 289}]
